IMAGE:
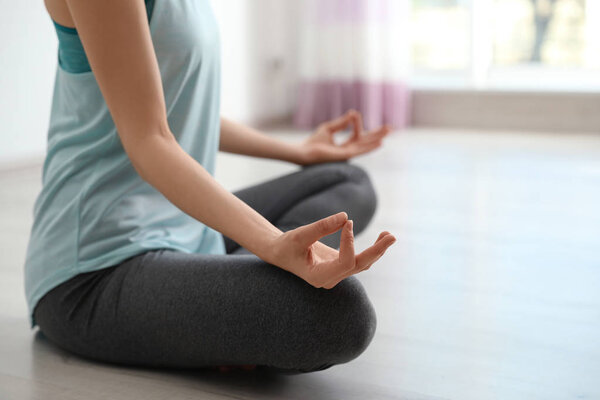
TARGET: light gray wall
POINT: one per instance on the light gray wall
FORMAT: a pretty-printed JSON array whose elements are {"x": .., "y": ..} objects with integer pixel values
[{"x": 27, "y": 65}]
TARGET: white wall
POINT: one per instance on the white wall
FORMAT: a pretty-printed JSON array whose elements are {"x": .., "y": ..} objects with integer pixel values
[
  {"x": 28, "y": 47},
  {"x": 235, "y": 80},
  {"x": 259, "y": 52},
  {"x": 258, "y": 68}
]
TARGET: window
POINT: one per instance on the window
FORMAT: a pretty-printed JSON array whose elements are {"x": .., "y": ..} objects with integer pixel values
[
  {"x": 506, "y": 44},
  {"x": 550, "y": 32},
  {"x": 440, "y": 35}
]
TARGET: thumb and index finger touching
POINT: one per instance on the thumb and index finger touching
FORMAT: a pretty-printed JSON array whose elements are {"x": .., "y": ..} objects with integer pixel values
[
  {"x": 310, "y": 233},
  {"x": 351, "y": 117}
]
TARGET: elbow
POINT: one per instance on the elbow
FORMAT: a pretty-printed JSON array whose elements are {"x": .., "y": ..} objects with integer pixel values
[
  {"x": 138, "y": 163},
  {"x": 138, "y": 167},
  {"x": 150, "y": 154}
]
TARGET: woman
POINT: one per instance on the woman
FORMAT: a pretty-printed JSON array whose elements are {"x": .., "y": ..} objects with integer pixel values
[{"x": 138, "y": 256}]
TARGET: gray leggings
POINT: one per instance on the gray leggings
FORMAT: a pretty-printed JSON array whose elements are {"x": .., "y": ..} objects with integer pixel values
[{"x": 165, "y": 308}]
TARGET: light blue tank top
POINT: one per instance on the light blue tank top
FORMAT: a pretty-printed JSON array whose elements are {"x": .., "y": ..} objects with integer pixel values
[{"x": 94, "y": 210}]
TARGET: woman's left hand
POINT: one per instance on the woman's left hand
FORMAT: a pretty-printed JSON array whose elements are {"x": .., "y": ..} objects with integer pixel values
[{"x": 320, "y": 146}]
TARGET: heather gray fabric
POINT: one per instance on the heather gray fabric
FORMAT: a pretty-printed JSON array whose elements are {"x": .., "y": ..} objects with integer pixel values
[{"x": 165, "y": 308}]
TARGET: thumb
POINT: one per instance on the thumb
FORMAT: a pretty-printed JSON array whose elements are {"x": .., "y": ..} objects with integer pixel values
[{"x": 308, "y": 234}]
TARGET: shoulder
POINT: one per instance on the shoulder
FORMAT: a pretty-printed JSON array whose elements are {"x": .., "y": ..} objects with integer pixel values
[{"x": 59, "y": 12}]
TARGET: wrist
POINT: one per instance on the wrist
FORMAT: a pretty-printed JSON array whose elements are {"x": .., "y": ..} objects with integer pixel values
[
  {"x": 303, "y": 154},
  {"x": 265, "y": 245}
]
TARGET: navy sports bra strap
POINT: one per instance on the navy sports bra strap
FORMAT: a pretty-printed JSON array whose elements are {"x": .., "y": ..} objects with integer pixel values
[{"x": 71, "y": 55}]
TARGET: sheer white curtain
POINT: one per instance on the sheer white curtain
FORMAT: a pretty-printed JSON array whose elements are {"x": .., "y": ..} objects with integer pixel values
[{"x": 354, "y": 54}]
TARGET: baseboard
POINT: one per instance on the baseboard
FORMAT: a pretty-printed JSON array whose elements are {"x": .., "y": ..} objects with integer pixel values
[
  {"x": 523, "y": 111},
  {"x": 21, "y": 164}
]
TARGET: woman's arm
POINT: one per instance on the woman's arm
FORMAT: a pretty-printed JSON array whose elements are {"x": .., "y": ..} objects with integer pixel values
[
  {"x": 116, "y": 38},
  {"x": 241, "y": 139},
  {"x": 319, "y": 147}
]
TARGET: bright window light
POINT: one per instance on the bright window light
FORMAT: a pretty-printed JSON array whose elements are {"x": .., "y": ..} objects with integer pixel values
[{"x": 506, "y": 44}]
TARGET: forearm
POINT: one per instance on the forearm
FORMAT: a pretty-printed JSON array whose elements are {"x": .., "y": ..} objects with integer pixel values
[
  {"x": 240, "y": 139},
  {"x": 184, "y": 182}
]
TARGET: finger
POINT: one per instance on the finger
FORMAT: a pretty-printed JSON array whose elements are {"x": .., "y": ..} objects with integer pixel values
[
  {"x": 308, "y": 234},
  {"x": 359, "y": 268},
  {"x": 371, "y": 263},
  {"x": 382, "y": 235},
  {"x": 346, "y": 256},
  {"x": 376, "y": 134},
  {"x": 365, "y": 148},
  {"x": 340, "y": 123},
  {"x": 357, "y": 124},
  {"x": 344, "y": 272},
  {"x": 371, "y": 254},
  {"x": 369, "y": 266},
  {"x": 357, "y": 127}
]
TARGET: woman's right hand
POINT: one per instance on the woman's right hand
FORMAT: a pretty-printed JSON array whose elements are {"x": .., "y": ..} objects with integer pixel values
[{"x": 299, "y": 252}]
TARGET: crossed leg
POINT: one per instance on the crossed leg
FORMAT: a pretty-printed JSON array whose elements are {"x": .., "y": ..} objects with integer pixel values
[
  {"x": 173, "y": 309},
  {"x": 314, "y": 192}
]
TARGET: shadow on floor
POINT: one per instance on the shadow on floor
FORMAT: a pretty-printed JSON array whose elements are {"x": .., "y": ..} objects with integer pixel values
[{"x": 73, "y": 372}]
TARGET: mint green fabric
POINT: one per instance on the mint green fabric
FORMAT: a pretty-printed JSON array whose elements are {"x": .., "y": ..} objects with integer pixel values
[
  {"x": 94, "y": 210},
  {"x": 71, "y": 55}
]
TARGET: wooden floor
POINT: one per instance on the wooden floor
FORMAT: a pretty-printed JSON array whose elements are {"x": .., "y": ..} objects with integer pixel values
[{"x": 491, "y": 292}]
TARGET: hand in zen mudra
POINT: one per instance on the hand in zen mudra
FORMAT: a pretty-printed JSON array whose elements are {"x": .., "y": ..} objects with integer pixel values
[
  {"x": 299, "y": 252},
  {"x": 321, "y": 147}
]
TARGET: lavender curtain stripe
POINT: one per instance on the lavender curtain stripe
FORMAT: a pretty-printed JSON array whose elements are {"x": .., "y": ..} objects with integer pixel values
[
  {"x": 379, "y": 103},
  {"x": 353, "y": 54}
]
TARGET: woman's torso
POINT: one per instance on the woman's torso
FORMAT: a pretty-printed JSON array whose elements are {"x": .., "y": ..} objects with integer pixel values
[{"x": 94, "y": 210}]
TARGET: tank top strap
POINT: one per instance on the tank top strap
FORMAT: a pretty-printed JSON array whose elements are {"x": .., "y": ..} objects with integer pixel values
[{"x": 71, "y": 55}]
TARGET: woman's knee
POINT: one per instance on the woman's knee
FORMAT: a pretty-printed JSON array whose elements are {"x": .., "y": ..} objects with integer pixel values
[
  {"x": 346, "y": 327},
  {"x": 358, "y": 318},
  {"x": 363, "y": 200},
  {"x": 363, "y": 179},
  {"x": 355, "y": 192}
]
